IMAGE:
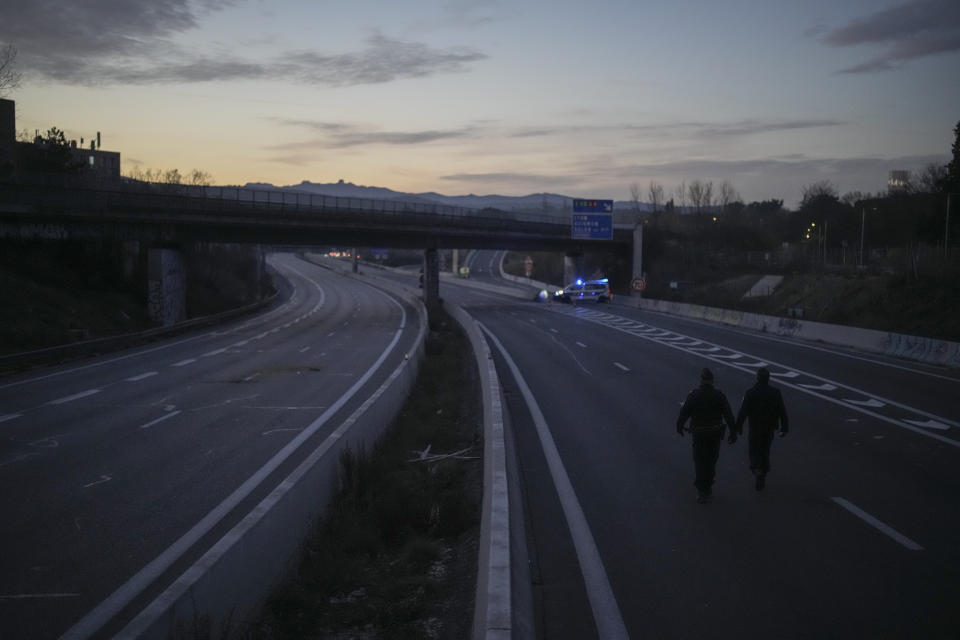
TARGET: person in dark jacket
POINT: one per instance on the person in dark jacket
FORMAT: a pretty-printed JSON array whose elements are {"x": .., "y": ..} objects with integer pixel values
[
  {"x": 763, "y": 406},
  {"x": 709, "y": 413}
]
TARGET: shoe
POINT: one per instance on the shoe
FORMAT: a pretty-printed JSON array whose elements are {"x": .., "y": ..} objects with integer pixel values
[{"x": 761, "y": 481}]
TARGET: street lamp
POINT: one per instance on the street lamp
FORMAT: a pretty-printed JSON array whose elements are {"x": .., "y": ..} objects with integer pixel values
[{"x": 863, "y": 221}]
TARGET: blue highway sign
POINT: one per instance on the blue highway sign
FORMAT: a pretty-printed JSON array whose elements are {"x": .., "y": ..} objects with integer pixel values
[{"x": 592, "y": 226}]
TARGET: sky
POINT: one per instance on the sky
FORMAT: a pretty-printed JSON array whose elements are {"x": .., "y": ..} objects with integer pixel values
[{"x": 578, "y": 98}]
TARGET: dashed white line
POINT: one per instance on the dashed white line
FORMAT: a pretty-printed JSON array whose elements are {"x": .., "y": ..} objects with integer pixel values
[
  {"x": 142, "y": 376},
  {"x": 873, "y": 522},
  {"x": 96, "y": 482},
  {"x": 620, "y": 366},
  {"x": 926, "y": 424},
  {"x": 214, "y": 353},
  {"x": 184, "y": 363},
  {"x": 160, "y": 419},
  {"x": 580, "y": 344},
  {"x": 872, "y": 402},
  {"x": 305, "y": 349},
  {"x": 76, "y": 396},
  {"x": 10, "y": 416}
]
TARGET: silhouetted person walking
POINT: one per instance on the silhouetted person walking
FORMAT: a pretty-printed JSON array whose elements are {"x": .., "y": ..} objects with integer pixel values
[
  {"x": 707, "y": 409},
  {"x": 763, "y": 406}
]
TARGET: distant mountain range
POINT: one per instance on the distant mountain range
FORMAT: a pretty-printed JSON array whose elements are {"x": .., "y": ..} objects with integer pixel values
[{"x": 533, "y": 202}]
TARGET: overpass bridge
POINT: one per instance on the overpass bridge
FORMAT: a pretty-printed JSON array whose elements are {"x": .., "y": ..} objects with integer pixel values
[{"x": 166, "y": 218}]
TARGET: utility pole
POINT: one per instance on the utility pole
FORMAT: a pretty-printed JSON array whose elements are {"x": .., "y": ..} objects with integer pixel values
[{"x": 946, "y": 231}]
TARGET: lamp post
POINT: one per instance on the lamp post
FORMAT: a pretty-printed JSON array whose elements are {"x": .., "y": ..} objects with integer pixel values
[{"x": 863, "y": 222}]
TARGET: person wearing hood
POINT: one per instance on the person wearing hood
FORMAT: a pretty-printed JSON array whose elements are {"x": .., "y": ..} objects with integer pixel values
[
  {"x": 709, "y": 413},
  {"x": 763, "y": 406}
]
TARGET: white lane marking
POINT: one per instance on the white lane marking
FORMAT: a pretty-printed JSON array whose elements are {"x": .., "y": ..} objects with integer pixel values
[
  {"x": 827, "y": 385},
  {"x": 76, "y": 396},
  {"x": 142, "y": 376},
  {"x": 817, "y": 387},
  {"x": 730, "y": 356},
  {"x": 160, "y": 419},
  {"x": 606, "y": 612},
  {"x": 95, "y": 619},
  {"x": 305, "y": 349},
  {"x": 554, "y": 330},
  {"x": 251, "y": 377},
  {"x": 788, "y": 374},
  {"x": 330, "y": 335},
  {"x": 929, "y": 424},
  {"x": 872, "y": 402},
  {"x": 10, "y": 416},
  {"x": 580, "y": 344},
  {"x": 102, "y": 480},
  {"x": 184, "y": 363},
  {"x": 620, "y": 366},
  {"x": 873, "y": 522},
  {"x": 215, "y": 352}
]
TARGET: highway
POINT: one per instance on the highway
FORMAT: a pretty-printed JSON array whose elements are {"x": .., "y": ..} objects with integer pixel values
[
  {"x": 853, "y": 537},
  {"x": 119, "y": 471}
]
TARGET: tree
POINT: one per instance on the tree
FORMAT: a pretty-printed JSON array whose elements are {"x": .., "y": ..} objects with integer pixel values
[
  {"x": 728, "y": 195},
  {"x": 199, "y": 178},
  {"x": 9, "y": 77},
  {"x": 48, "y": 153},
  {"x": 929, "y": 178},
  {"x": 682, "y": 195},
  {"x": 635, "y": 197},
  {"x": 824, "y": 189},
  {"x": 655, "y": 195},
  {"x": 951, "y": 182}
]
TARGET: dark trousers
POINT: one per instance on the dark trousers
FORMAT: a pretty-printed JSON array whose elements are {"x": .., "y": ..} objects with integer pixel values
[
  {"x": 706, "y": 450},
  {"x": 760, "y": 440}
]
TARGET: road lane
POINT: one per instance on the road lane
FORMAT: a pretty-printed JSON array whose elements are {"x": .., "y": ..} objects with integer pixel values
[
  {"x": 97, "y": 484},
  {"x": 811, "y": 556}
]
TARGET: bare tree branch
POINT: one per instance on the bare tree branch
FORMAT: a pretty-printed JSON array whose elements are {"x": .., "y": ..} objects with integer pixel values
[{"x": 9, "y": 77}]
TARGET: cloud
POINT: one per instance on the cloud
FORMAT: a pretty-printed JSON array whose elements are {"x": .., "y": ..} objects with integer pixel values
[
  {"x": 132, "y": 42},
  {"x": 914, "y": 29},
  {"x": 342, "y": 136},
  {"x": 385, "y": 59}
]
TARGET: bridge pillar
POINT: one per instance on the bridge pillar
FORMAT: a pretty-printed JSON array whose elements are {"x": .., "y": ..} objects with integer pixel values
[
  {"x": 571, "y": 268},
  {"x": 431, "y": 277},
  {"x": 637, "y": 269},
  {"x": 166, "y": 286}
]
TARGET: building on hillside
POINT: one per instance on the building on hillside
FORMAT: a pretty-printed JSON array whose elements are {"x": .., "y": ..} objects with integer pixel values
[
  {"x": 18, "y": 156},
  {"x": 899, "y": 180}
]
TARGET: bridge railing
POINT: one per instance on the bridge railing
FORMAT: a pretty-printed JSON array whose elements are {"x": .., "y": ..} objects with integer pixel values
[{"x": 295, "y": 200}]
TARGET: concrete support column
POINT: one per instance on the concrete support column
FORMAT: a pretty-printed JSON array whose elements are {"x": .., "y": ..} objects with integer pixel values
[
  {"x": 637, "y": 269},
  {"x": 455, "y": 268},
  {"x": 166, "y": 286},
  {"x": 431, "y": 277},
  {"x": 571, "y": 268}
]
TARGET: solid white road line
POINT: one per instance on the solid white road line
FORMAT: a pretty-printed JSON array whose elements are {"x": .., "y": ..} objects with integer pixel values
[
  {"x": 873, "y": 522},
  {"x": 184, "y": 363},
  {"x": 606, "y": 612},
  {"x": 76, "y": 396},
  {"x": 10, "y": 416}
]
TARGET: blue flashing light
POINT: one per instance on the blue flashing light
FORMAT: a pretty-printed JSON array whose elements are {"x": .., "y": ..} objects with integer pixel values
[{"x": 579, "y": 281}]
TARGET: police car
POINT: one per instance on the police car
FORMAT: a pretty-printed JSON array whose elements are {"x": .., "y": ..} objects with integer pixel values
[{"x": 598, "y": 290}]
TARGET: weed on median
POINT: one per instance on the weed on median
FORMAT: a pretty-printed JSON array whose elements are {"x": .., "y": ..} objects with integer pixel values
[{"x": 395, "y": 555}]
